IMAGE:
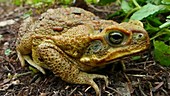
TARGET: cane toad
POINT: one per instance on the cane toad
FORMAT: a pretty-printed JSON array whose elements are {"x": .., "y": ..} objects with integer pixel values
[{"x": 71, "y": 42}]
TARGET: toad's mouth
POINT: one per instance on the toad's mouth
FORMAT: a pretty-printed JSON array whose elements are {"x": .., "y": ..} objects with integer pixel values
[
  {"x": 130, "y": 54},
  {"x": 125, "y": 52}
]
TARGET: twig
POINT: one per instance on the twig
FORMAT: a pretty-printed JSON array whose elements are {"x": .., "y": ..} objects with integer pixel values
[
  {"x": 87, "y": 88},
  {"x": 142, "y": 91},
  {"x": 114, "y": 90},
  {"x": 73, "y": 91},
  {"x": 99, "y": 10},
  {"x": 157, "y": 87}
]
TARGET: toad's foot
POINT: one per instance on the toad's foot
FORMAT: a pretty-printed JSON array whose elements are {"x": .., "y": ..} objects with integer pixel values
[
  {"x": 32, "y": 63},
  {"x": 85, "y": 78},
  {"x": 66, "y": 68},
  {"x": 23, "y": 58}
]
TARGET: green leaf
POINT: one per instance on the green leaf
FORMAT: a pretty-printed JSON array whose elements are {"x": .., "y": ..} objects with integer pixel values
[
  {"x": 157, "y": 2},
  {"x": 34, "y": 70},
  {"x": 146, "y": 10},
  {"x": 2, "y": 1},
  {"x": 162, "y": 53},
  {"x": 166, "y": 24},
  {"x": 136, "y": 58},
  {"x": 17, "y": 2},
  {"x": 162, "y": 35},
  {"x": 150, "y": 28},
  {"x": 168, "y": 17},
  {"x": 154, "y": 21},
  {"x": 119, "y": 13},
  {"x": 67, "y": 2},
  {"x": 1, "y": 36},
  {"x": 166, "y": 1},
  {"x": 125, "y": 6},
  {"x": 27, "y": 14},
  {"x": 92, "y": 1},
  {"x": 104, "y": 2},
  {"x": 7, "y": 52}
]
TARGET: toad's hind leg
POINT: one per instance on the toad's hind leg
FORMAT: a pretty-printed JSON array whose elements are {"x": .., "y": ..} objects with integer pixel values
[{"x": 66, "y": 68}]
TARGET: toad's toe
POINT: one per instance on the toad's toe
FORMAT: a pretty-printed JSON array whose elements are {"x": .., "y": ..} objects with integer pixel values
[{"x": 85, "y": 78}]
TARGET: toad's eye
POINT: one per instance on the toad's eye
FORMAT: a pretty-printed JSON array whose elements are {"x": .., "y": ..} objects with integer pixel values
[{"x": 115, "y": 37}]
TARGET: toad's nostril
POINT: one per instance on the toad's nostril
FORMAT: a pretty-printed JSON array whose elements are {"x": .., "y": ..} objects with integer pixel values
[
  {"x": 140, "y": 35},
  {"x": 100, "y": 30}
]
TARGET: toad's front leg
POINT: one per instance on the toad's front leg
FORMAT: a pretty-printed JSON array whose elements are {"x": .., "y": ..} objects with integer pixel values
[
  {"x": 23, "y": 50},
  {"x": 64, "y": 67}
]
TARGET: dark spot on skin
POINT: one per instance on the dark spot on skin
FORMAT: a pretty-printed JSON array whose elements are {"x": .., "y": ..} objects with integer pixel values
[
  {"x": 40, "y": 59},
  {"x": 58, "y": 28},
  {"x": 51, "y": 18},
  {"x": 45, "y": 59},
  {"x": 76, "y": 13},
  {"x": 95, "y": 18},
  {"x": 41, "y": 25},
  {"x": 135, "y": 42}
]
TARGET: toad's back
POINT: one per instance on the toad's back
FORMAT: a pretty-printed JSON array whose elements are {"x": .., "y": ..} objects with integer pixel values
[{"x": 57, "y": 21}]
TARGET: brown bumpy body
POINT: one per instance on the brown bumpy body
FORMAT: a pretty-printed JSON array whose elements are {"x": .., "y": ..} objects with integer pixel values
[{"x": 72, "y": 41}]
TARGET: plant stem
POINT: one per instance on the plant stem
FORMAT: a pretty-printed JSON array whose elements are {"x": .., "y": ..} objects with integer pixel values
[
  {"x": 136, "y": 4},
  {"x": 131, "y": 11}
]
